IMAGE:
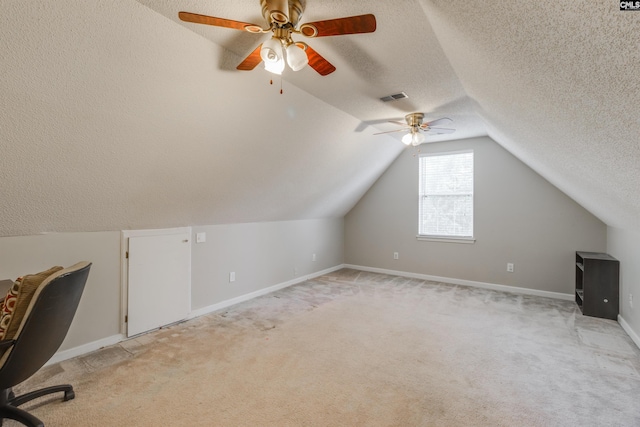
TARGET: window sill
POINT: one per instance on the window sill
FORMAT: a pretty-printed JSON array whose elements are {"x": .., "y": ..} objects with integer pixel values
[{"x": 465, "y": 240}]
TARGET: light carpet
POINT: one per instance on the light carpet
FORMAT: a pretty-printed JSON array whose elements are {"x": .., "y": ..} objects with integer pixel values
[{"x": 361, "y": 349}]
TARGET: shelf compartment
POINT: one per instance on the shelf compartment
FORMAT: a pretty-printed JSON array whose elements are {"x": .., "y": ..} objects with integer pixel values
[{"x": 597, "y": 276}]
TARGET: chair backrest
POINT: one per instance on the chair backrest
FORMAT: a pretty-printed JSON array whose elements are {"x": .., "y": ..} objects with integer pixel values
[{"x": 45, "y": 324}]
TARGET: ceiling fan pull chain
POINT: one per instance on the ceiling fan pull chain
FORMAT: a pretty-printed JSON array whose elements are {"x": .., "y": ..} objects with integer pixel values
[{"x": 271, "y": 83}]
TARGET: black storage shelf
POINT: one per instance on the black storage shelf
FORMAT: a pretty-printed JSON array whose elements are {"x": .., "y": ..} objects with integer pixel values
[{"x": 597, "y": 277}]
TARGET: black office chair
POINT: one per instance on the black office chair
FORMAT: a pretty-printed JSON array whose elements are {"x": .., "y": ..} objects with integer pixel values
[{"x": 40, "y": 333}]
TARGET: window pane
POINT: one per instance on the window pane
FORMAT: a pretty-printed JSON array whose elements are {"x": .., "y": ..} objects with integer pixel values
[{"x": 446, "y": 195}]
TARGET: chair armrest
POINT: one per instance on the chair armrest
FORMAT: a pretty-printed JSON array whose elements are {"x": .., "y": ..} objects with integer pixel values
[{"x": 6, "y": 344}]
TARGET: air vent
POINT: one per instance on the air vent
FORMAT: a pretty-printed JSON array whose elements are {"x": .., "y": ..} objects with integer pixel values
[{"x": 395, "y": 97}]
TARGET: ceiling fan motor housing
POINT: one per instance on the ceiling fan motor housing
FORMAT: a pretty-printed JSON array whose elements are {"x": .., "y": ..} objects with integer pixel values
[
  {"x": 414, "y": 119},
  {"x": 282, "y": 12}
]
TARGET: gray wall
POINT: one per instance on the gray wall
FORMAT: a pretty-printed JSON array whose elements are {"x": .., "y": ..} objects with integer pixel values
[
  {"x": 113, "y": 116},
  {"x": 625, "y": 246},
  {"x": 98, "y": 314},
  {"x": 261, "y": 254},
  {"x": 519, "y": 217}
]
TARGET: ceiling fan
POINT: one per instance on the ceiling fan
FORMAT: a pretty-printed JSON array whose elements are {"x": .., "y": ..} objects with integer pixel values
[
  {"x": 418, "y": 129},
  {"x": 282, "y": 18}
]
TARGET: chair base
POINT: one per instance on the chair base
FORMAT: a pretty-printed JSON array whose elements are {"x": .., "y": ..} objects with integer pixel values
[{"x": 9, "y": 403}]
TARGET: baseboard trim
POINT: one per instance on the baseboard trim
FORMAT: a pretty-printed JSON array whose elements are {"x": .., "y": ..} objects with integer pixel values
[
  {"x": 627, "y": 328},
  {"x": 492, "y": 286},
  {"x": 85, "y": 348},
  {"x": 246, "y": 297}
]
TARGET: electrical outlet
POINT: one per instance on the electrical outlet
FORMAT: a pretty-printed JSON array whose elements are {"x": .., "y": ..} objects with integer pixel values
[
  {"x": 313, "y": 257},
  {"x": 631, "y": 300},
  {"x": 201, "y": 237},
  {"x": 510, "y": 267},
  {"x": 232, "y": 276},
  {"x": 396, "y": 255}
]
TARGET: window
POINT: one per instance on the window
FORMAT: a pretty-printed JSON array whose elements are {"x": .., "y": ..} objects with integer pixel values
[{"x": 446, "y": 195}]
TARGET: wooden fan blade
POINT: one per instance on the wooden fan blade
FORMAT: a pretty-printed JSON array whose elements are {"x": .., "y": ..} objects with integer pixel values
[
  {"x": 436, "y": 122},
  {"x": 251, "y": 61},
  {"x": 218, "y": 22},
  {"x": 439, "y": 130},
  {"x": 335, "y": 27},
  {"x": 392, "y": 131},
  {"x": 318, "y": 63}
]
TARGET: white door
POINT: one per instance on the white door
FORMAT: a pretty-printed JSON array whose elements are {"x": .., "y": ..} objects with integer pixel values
[{"x": 159, "y": 281}]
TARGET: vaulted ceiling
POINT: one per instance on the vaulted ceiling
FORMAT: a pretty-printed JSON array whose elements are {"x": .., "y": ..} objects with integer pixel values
[{"x": 117, "y": 115}]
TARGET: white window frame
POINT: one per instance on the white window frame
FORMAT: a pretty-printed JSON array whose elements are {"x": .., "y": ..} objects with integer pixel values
[{"x": 421, "y": 196}]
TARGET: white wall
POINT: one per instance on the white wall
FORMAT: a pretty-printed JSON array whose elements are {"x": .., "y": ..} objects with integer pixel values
[
  {"x": 625, "y": 246},
  {"x": 261, "y": 254},
  {"x": 519, "y": 217}
]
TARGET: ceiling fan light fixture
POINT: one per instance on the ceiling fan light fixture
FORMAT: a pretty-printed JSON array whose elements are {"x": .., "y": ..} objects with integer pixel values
[
  {"x": 271, "y": 51},
  {"x": 296, "y": 57},
  {"x": 275, "y": 67},
  {"x": 417, "y": 139},
  {"x": 413, "y": 138}
]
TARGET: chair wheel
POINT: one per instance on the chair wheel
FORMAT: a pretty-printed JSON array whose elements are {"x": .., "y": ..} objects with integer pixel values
[{"x": 68, "y": 395}]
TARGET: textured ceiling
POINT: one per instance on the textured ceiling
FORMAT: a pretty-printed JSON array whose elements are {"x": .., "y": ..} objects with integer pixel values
[
  {"x": 116, "y": 115},
  {"x": 557, "y": 85}
]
